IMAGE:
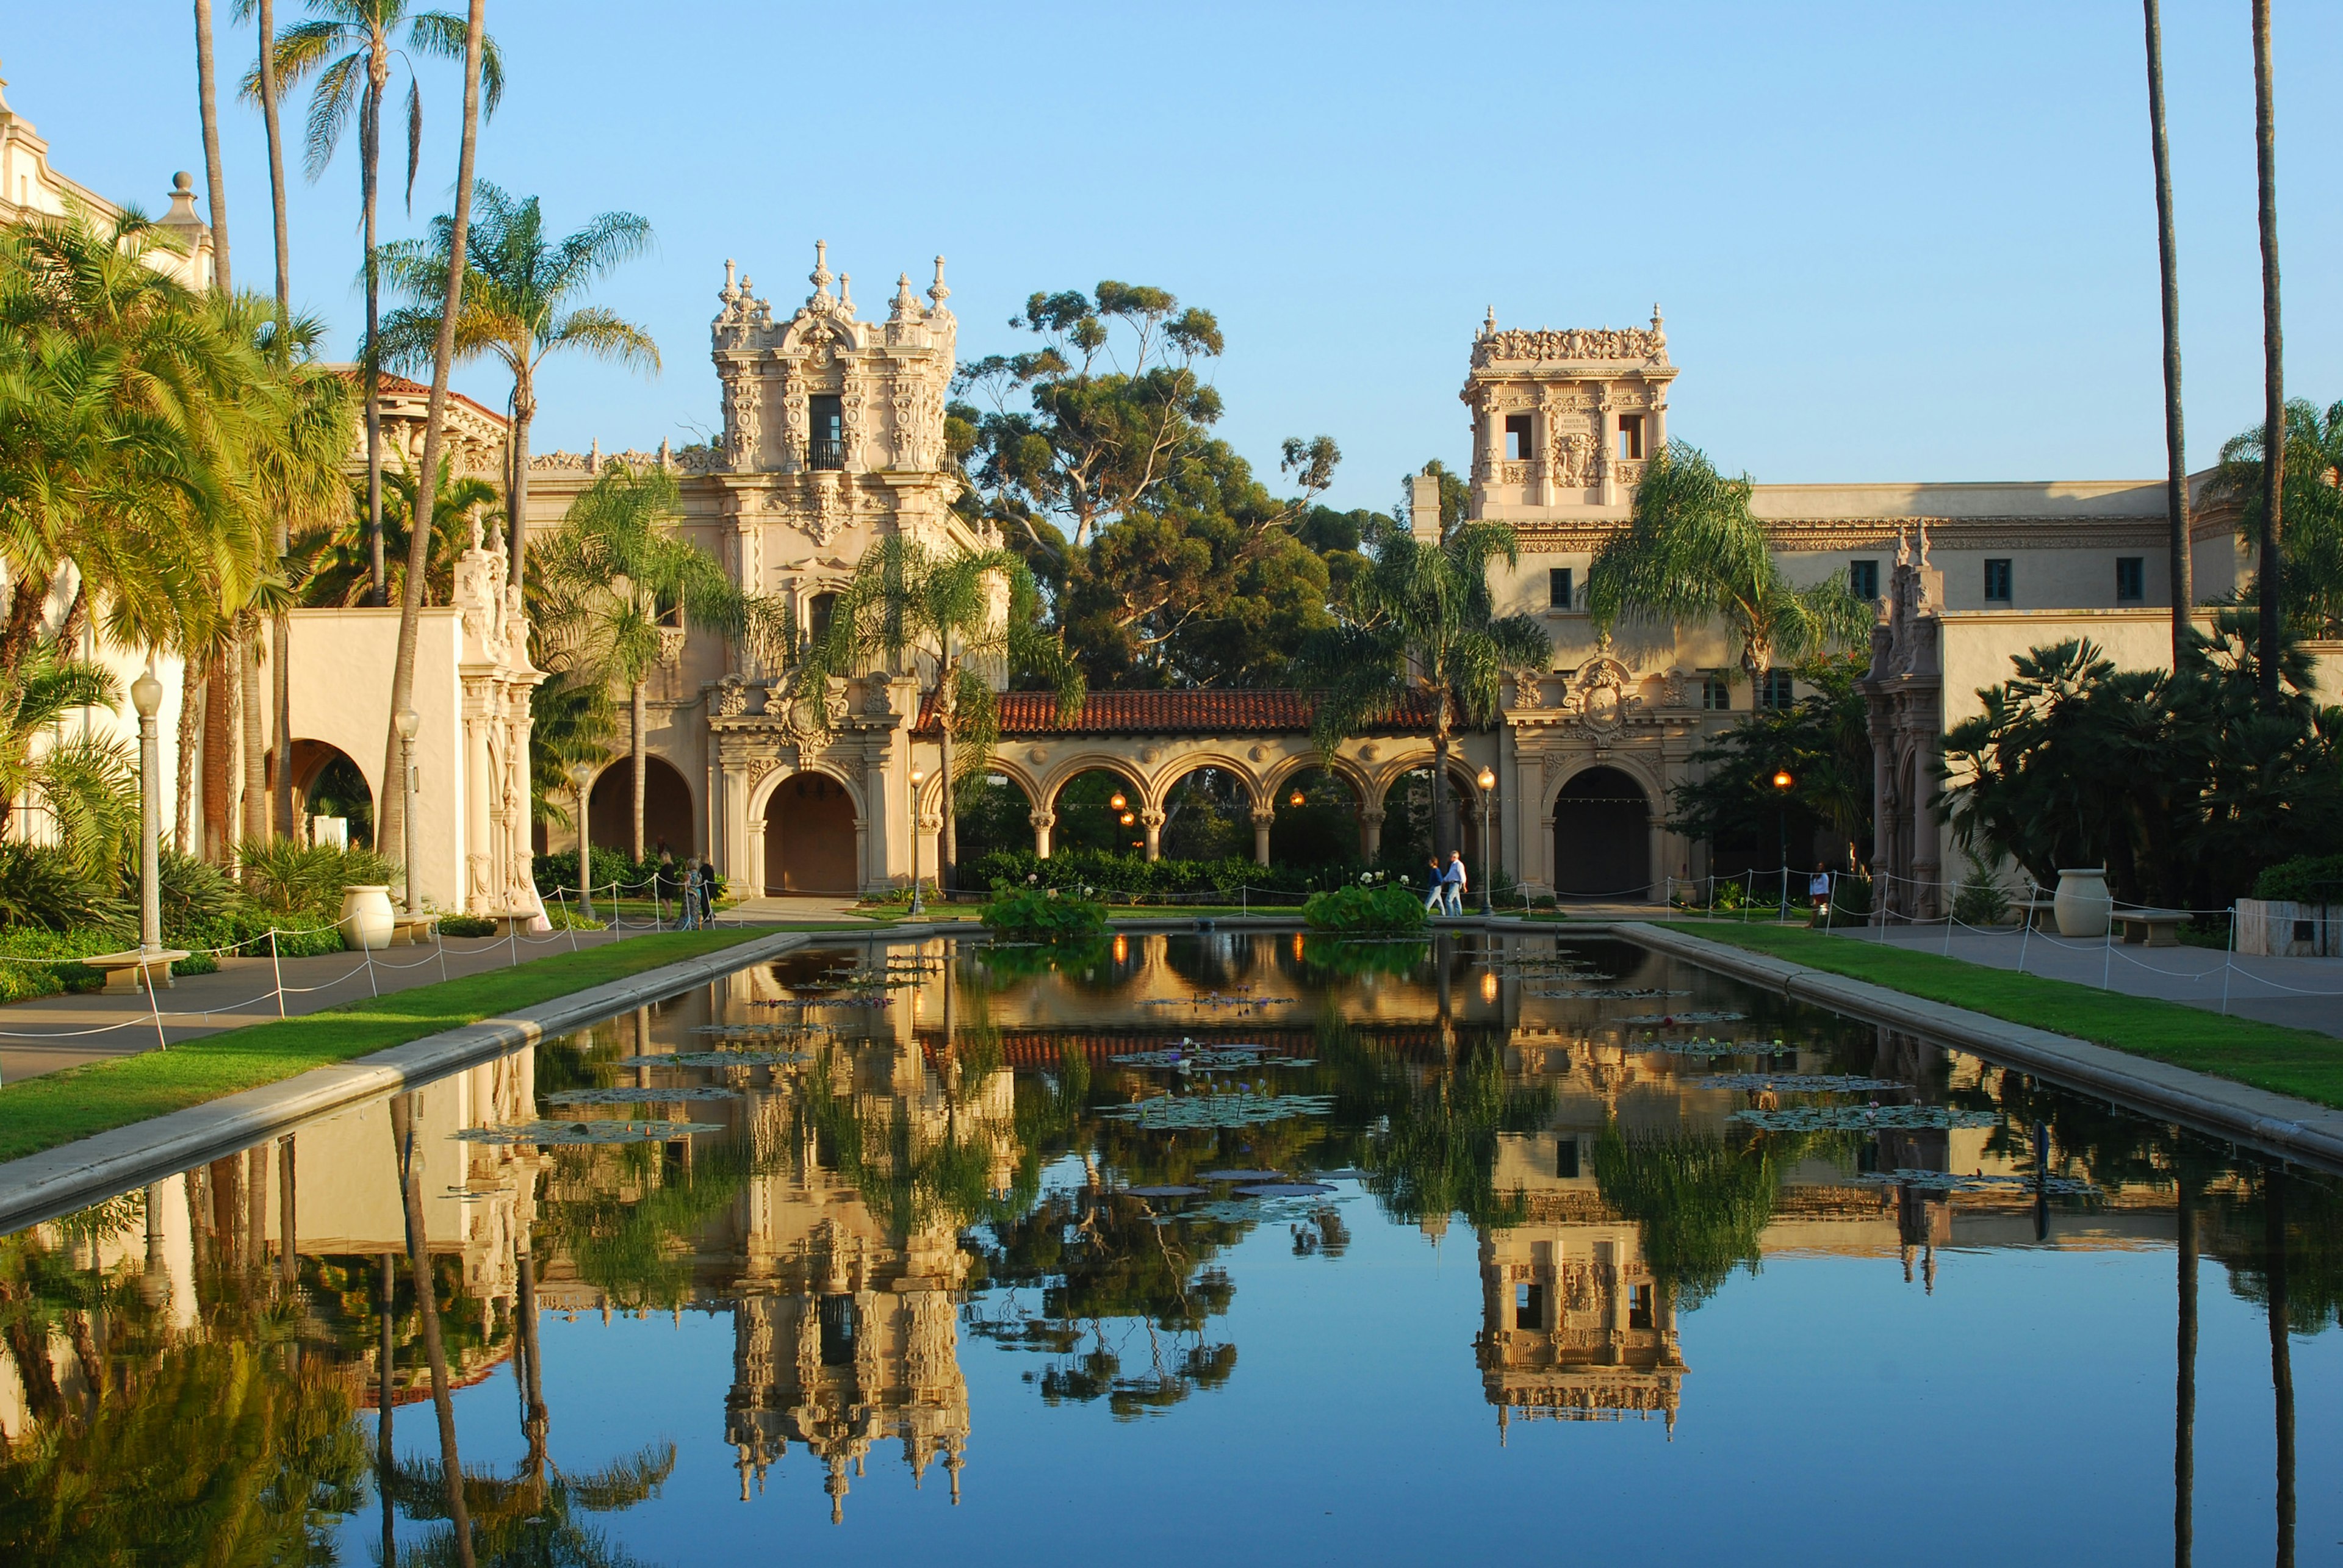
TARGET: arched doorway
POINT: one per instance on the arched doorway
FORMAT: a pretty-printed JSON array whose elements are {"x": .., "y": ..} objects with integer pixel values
[
  {"x": 667, "y": 810},
  {"x": 1317, "y": 820},
  {"x": 989, "y": 814},
  {"x": 1408, "y": 834},
  {"x": 327, "y": 783},
  {"x": 1207, "y": 815},
  {"x": 1098, "y": 810},
  {"x": 1602, "y": 837},
  {"x": 810, "y": 836}
]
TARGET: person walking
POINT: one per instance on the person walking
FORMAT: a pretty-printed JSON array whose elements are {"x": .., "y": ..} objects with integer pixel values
[
  {"x": 1451, "y": 882},
  {"x": 690, "y": 894},
  {"x": 1819, "y": 886},
  {"x": 1437, "y": 888}
]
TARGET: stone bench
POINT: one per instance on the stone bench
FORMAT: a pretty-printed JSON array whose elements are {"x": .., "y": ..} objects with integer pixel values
[
  {"x": 406, "y": 930},
  {"x": 2037, "y": 914},
  {"x": 2150, "y": 927},
  {"x": 123, "y": 971}
]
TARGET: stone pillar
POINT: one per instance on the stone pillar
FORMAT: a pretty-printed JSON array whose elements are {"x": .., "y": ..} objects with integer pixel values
[
  {"x": 1153, "y": 821},
  {"x": 483, "y": 879},
  {"x": 732, "y": 797},
  {"x": 877, "y": 827},
  {"x": 1042, "y": 822},
  {"x": 1928, "y": 850},
  {"x": 1424, "y": 507},
  {"x": 1883, "y": 816},
  {"x": 1370, "y": 832},
  {"x": 1263, "y": 819}
]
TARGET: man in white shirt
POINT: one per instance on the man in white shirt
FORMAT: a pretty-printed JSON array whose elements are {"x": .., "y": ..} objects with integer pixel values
[{"x": 1451, "y": 882}]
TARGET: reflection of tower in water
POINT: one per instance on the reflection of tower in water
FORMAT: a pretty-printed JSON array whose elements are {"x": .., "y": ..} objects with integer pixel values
[{"x": 1573, "y": 1326}]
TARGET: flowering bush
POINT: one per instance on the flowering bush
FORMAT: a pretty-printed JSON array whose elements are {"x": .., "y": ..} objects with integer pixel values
[
  {"x": 1043, "y": 914},
  {"x": 1373, "y": 907}
]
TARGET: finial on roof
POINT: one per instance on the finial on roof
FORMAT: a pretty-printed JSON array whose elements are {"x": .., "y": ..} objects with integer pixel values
[
  {"x": 846, "y": 294},
  {"x": 183, "y": 182},
  {"x": 906, "y": 304},
  {"x": 1489, "y": 322},
  {"x": 1655, "y": 316},
  {"x": 4, "y": 95},
  {"x": 731, "y": 283},
  {"x": 938, "y": 291},
  {"x": 819, "y": 275}
]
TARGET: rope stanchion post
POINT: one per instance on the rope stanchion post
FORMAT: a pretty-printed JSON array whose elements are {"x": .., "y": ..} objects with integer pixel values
[
  {"x": 2026, "y": 942},
  {"x": 2107, "y": 964},
  {"x": 146, "y": 973},
  {"x": 2228, "y": 960},
  {"x": 277, "y": 967}
]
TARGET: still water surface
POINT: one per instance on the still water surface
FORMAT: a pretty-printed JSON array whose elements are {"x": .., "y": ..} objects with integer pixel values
[{"x": 1530, "y": 1250}]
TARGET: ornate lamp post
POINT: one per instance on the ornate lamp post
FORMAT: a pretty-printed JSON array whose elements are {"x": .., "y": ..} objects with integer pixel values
[
  {"x": 919, "y": 908},
  {"x": 146, "y": 696},
  {"x": 1488, "y": 782},
  {"x": 582, "y": 775},
  {"x": 1782, "y": 782},
  {"x": 409, "y": 721}
]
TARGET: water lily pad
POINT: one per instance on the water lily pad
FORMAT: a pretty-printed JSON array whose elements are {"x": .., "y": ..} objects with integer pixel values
[
  {"x": 1798, "y": 1082},
  {"x": 553, "y": 1133},
  {"x": 720, "y": 1058},
  {"x": 1242, "y": 1176},
  {"x": 1162, "y": 1191},
  {"x": 1244, "y": 1107},
  {"x": 1864, "y": 1118},
  {"x": 1674, "y": 1019},
  {"x": 1283, "y": 1190},
  {"x": 1717, "y": 1047},
  {"x": 638, "y": 1096},
  {"x": 1606, "y": 993},
  {"x": 2008, "y": 1186}
]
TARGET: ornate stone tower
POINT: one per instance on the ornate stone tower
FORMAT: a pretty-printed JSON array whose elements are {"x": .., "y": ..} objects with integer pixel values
[
  {"x": 1563, "y": 421},
  {"x": 833, "y": 430}
]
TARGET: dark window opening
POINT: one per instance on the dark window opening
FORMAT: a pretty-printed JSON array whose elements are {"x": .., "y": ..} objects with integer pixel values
[
  {"x": 1639, "y": 1308},
  {"x": 1517, "y": 437},
  {"x": 1773, "y": 689},
  {"x": 1715, "y": 693},
  {"x": 1630, "y": 436},
  {"x": 827, "y": 445},
  {"x": 819, "y": 609},
  {"x": 1558, "y": 588},
  {"x": 2131, "y": 578},
  {"x": 1863, "y": 579},
  {"x": 837, "y": 1328},
  {"x": 1529, "y": 1306},
  {"x": 1565, "y": 1159},
  {"x": 1997, "y": 582}
]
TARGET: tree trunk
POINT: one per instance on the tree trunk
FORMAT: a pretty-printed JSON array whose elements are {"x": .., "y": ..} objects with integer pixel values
[
  {"x": 426, "y": 479},
  {"x": 1441, "y": 842},
  {"x": 76, "y": 622},
  {"x": 535, "y": 1420},
  {"x": 370, "y": 366},
  {"x": 215, "y": 178},
  {"x": 256, "y": 743},
  {"x": 267, "y": 20},
  {"x": 517, "y": 495},
  {"x": 28, "y": 598},
  {"x": 191, "y": 712},
  {"x": 2184, "y": 1393},
  {"x": 2281, "y": 1350},
  {"x": 948, "y": 847},
  {"x": 418, "y": 1265},
  {"x": 288, "y": 1257},
  {"x": 217, "y": 821},
  {"x": 2272, "y": 534},
  {"x": 386, "y": 1367},
  {"x": 637, "y": 717},
  {"x": 2167, "y": 255}
]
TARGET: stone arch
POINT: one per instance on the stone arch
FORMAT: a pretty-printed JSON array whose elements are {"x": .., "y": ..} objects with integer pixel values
[
  {"x": 1317, "y": 814},
  {"x": 1170, "y": 773},
  {"x": 313, "y": 761},
  {"x": 667, "y": 807},
  {"x": 1465, "y": 793},
  {"x": 1062, "y": 771},
  {"x": 1357, "y": 774},
  {"x": 1195, "y": 824},
  {"x": 1600, "y": 820},
  {"x": 1085, "y": 824},
  {"x": 808, "y": 827}
]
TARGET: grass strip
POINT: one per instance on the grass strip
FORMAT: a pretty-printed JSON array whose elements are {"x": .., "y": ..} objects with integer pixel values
[
  {"x": 2298, "y": 1061},
  {"x": 79, "y": 1102}
]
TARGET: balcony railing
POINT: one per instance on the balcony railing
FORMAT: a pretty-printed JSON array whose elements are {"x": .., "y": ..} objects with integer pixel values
[{"x": 821, "y": 454}]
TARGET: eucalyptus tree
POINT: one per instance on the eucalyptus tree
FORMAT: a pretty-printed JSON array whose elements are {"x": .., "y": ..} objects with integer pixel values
[
  {"x": 349, "y": 46},
  {"x": 616, "y": 578},
  {"x": 1694, "y": 554},
  {"x": 949, "y": 616},
  {"x": 524, "y": 299},
  {"x": 392, "y": 834},
  {"x": 1422, "y": 632}
]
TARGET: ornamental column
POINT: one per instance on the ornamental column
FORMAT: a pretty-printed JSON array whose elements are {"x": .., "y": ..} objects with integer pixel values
[
  {"x": 482, "y": 879},
  {"x": 1370, "y": 832},
  {"x": 1153, "y": 821},
  {"x": 1263, "y": 819},
  {"x": 1042, "y": 820},
  {"x": 732, "y": 799}
]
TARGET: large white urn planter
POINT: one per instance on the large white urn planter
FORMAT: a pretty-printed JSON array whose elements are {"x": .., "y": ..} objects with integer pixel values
[
  {"x": 2083, "y": 904},
  {"x": 366, "y": 918}
]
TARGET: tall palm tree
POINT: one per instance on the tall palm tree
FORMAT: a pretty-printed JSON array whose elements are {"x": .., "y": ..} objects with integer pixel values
[
  {"x": 523, "y": 301},
  {"x": 2310, "y": 559},
  {"x": 941, "y": 613},
  {"x": 392, "y": 839},
  {"x": 2273, "y": 353},
  {"x": 407, "y": 1146},
  {"x": 84, "y": 783},
  {"x": 615, "y": 575},
  {"x": 1424, "y": 627},
  {"x": 348, "y": 46},
  {"x": 330, "y": 559},
  {"x": 2167, "y": 256},
  {"x": 1692, "y": 553},
  {"x": 215, "y": 177}
]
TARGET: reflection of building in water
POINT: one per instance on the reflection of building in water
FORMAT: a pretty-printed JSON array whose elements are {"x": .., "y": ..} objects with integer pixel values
[{"x": 1573, "y": 1325}]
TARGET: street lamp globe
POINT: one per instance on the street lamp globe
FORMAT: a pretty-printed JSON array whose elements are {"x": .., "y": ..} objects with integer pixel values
[
  {"x": 1782, "y": 779},
  {"x": 1488, "y": 779},
  {"x": 408, "y": 722},
  {"x": 146, "y": 695}
]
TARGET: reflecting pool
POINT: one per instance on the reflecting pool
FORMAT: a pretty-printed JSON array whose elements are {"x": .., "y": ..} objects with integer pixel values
[{"x": 1224, "y": 1247}]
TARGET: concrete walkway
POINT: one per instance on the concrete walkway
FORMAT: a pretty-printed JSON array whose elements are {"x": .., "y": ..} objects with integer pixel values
[
  {"x": 49, "y": 1033},
  {"x": 2304, "y": 994}
]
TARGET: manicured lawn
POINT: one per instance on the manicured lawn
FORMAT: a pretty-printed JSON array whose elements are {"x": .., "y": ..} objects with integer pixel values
[
  {"x": 2296, "y": 1061},
  {"x": 59, "y": 1107}
]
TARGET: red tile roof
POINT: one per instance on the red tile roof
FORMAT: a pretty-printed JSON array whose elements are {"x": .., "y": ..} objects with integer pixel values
[
  {"x": 1176, "y": 713},
  {"x": 400, "y": 387}
]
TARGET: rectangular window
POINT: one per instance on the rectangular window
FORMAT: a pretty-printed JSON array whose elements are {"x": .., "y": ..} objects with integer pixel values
[
  {"x": 1565, "y": 1159},
  {"x": 827, "y": 416},
  {"x": 2131, "y": 578},
  {"x": 1517, "y": 437},
  {"x": 1997, "y": 582},
  {"x": 1639, "y": 1308},
  {"x": 1773, "y": 689},
  {"x": 1529, "y": 1307},
  {"x": 1715, "y": 693},
  {"x": 1863, "y": 579},
  {"x": 1631, "y": 435},
  {"x": 1558, "y": 588}
]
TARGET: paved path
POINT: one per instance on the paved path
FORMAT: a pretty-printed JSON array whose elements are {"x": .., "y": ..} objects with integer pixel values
[
  {"x": 74, "y": 1030},
  {"x": 2307, "y": 993}
]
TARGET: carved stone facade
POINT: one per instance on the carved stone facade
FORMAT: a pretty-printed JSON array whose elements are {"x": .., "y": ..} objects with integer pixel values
[
  {"x": 1564, "y": 420},
  {"x": 1904, "y": 692}
]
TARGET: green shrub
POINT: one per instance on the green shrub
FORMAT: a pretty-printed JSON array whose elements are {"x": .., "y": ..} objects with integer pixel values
[
  {"x": 1381, "y": 907},
  {"x": 289, "y": 878},
  {"x": 1982, "y": 901},
  {"x": 1134, "y": 878},
  {"x": 1352, "y": 959},
  {"x": 1043, "y": 914},
  {"x": 2304, "y": 880},
  {"x": 41, "y": 887},
  {"x": 467, "y": 926},
  {"x": 559, "y": 873}
]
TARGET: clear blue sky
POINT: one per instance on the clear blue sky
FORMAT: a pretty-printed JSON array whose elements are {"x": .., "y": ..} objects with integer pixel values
[{"x": 1891, "y": 241}]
